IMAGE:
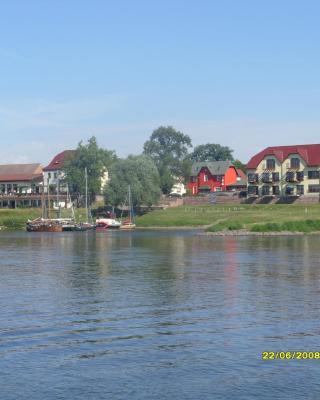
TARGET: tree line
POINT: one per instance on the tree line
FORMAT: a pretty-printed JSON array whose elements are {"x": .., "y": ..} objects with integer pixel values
[{"x": 166, "y": 157}]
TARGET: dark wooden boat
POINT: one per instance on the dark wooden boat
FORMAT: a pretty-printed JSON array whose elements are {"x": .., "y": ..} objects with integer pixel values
[{"x": 44, "y": 225}]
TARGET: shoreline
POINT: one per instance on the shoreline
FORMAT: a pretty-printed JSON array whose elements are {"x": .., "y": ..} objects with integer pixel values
[{"x": 249, "y": 233}]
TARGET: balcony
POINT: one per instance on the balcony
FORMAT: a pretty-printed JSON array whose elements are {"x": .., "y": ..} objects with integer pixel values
[
  {"x": 300, "y": 176},
  {"x": 253, "y": 178},
  {"x": 290, "y": 177},
  {"x": 266, "y": 178}
]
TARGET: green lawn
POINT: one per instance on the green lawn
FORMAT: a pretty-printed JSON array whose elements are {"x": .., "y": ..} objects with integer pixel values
[
  {"x": 223, "y": 217},
  {"x": 259, "y": 218}
]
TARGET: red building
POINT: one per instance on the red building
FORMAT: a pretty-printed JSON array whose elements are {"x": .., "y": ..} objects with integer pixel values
[{"x": 214, "y": 176}]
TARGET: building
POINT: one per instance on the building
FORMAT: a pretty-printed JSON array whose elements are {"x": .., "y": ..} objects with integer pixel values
[
  {"x": 20, "y": 185},
  {"x": 213, "y": 176},
  {"x": 285, "y": 171},
  {"x": 178, "y": 188},
  {"x": 53, "y": 174}
]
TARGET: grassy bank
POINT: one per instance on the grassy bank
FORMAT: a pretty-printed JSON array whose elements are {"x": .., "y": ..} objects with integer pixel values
[
  {"x": 255, "y": 218},
  {"x": 250, "y": 217},
  {"x": 16, "y": 219}
]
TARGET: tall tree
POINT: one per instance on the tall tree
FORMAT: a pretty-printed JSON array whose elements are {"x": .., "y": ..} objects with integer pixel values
[
  {"x": 238, "y": 164},
  {"x": 211, "y": 152},
  {"x": 141, "y": 174},
  {"x": 96, "y": 159},
  {"x": 168, "y": 149}
]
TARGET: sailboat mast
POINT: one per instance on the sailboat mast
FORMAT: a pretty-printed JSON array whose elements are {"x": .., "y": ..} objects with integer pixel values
[
  {"x": 58, "y": 199},
  {"x": 48, "y": 192},
  {"x": 86, "y": 180},
  {"x": 130, "y": 204}
]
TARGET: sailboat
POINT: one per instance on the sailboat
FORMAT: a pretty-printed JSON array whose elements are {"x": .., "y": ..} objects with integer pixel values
[
  {"x": 86, "y": 226},
  {"x": 129, "y": 222},
  {"x": 45, "y": 223}
]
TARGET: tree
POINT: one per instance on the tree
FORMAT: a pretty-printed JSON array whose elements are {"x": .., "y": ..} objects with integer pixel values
[
  {"x": 141, "y": 174},
  {"x": 239, "y": 165},
  {"x": 96, "y": 159},
  {"x": 168, "y": 149},
  {"x": 211, "y": 152}
]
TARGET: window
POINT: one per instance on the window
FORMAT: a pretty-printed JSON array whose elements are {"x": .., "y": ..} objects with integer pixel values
[
  {"x": 289, "y": 190},
  {"x": 300, "y": 189},
  {"x": 265, "y": 190},
  {"x": 252, "y": 190},
  {"x": 314, "y": 189},
  {"x": 295, "y": 163},
  {"x": 253, "y": 178},
  {"x": 313, "y": 174},
  {"x": 265, "y": 177},
  {"x": 271, "y": 164},
  {"x": 55, "y": 175},
  {"x": 49, "y": 175},
  {"x": 275, "y": 176},
  {"x": 205, "y": 178},
  {"x": 300, "y": 176},
  {"x": 275, "y": 190},
  {"x": 290, "y": 177}
]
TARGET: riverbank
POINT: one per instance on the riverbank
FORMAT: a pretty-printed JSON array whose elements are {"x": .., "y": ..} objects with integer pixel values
[
  {"x": 220, "y": 219},
  {"x": 217, "y": 219}
]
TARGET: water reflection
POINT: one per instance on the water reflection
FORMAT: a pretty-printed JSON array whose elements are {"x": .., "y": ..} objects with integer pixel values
[{"x": 183, "y": 316}]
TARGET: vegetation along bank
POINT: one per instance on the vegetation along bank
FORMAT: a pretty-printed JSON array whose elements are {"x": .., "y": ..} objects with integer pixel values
[{"x": 212, "y": 218}]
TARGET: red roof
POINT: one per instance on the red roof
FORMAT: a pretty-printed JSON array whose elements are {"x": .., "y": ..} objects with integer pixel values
[
  {"x": 310, "y": 153},
  {"x": 20, "y": 172},
  {"x": 241, "y": 174},
  {"x": 58, "y": 161}
]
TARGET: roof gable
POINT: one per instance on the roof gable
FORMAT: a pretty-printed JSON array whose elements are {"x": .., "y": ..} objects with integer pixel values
[
  {"x": 215, "y": 167},
  {"x": 58, "y": 161},
  {"x": 310, "y": 153}
]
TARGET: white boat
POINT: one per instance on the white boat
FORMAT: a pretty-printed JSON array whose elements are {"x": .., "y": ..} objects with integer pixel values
[{"x": 107, "y": 223}]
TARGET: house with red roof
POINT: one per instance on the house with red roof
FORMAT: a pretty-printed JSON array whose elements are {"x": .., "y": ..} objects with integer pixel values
[
  {"x": 285, "y": 171},
  {"x": 20, "y": 185},
  {"x": 53, "y": 173},
  {"x": 215, "y": 176}
]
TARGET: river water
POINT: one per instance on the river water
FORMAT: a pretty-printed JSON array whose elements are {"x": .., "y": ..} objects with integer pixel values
[{"x": 157, "y": 315}]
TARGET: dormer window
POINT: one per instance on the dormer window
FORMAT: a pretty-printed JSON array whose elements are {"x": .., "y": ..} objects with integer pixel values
[
  {"x": 295, "y": 163},
  {"x": 271, "y": 164}
]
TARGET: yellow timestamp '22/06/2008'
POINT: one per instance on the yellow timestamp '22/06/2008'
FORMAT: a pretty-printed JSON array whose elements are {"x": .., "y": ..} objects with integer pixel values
[{"x": 290, "y": 355}]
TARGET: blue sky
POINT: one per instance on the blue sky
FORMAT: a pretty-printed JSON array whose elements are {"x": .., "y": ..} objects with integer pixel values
[{"x": 240, "y": 73}]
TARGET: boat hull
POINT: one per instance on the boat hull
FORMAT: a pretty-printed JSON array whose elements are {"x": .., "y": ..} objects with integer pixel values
[{"x": 44, "y": 228}]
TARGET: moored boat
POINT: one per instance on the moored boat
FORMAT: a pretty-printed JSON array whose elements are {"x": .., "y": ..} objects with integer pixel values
[
  {"x": 44, "y": 225},
  {"x": 107, "y": 223},
  {"x": 129, "y": 223}
]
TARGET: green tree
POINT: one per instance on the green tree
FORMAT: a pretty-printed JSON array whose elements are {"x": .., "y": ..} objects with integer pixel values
[
  {"x": 168, "y": 149},
  {"x": 141, "y": 174},
  {"x": 96, "y": 159},
  {"x": 239, "y": 165},
  {"x": 211, "y": 152}
]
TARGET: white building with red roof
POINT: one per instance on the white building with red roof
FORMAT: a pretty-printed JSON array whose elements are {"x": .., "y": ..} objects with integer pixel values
[
  {"x": 53, "y": 173},
  {"x": 20, "y": 185},
  {"x": 285, "y": 171}
]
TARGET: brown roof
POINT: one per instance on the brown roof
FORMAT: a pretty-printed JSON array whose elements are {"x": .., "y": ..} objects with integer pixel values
[
  {"x": 310, "y": 153},
  {"x": 20, "y": 172},
  {"x": 58, "y": 161}
]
